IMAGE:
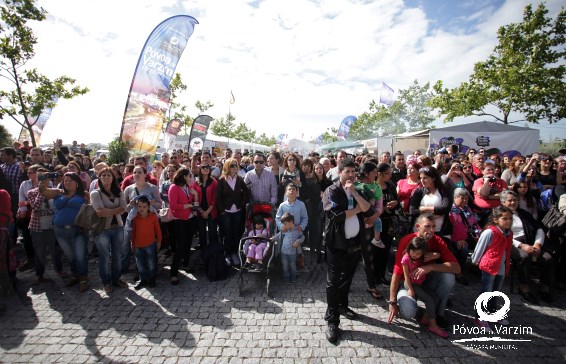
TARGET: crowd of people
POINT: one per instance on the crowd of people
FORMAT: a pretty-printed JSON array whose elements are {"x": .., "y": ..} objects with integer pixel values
[{"x": 345, "y": 208}]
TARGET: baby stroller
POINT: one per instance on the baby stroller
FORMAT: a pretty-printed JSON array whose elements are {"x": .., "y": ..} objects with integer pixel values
[{"x": 263, "y": 211}]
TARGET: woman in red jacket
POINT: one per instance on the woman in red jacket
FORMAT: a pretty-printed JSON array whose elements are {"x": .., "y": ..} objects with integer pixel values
[
  {"x": 207, "y": 215},
  {"x": 182, "y": 200}
]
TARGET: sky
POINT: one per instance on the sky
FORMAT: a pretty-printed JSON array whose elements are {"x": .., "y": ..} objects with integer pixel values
[{"x": 296, "y": 67}]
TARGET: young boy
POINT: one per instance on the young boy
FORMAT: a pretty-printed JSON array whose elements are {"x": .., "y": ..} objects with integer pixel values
[
  {"x": 291, "y": 239},
  {"x": 146, "y": 240}
]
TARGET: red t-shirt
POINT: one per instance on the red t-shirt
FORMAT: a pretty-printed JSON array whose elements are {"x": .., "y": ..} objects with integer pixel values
[
  {"x": 483, "y": 202},
  {"x": 435, "y": 244}
]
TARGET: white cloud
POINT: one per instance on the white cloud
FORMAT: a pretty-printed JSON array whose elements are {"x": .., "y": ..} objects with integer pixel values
[{"x": 295, "y": 67}]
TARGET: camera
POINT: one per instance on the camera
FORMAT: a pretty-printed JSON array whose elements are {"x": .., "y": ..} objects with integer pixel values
[
  {"x": 50, "y": 175},
  {"x": 492, "y": 179}
]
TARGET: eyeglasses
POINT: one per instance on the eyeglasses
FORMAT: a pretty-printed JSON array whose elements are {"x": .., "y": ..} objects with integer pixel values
[{"x": 258, "y": 162}]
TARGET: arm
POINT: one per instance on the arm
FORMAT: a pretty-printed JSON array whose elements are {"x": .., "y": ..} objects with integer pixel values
[
  {"x": 273, "y": 189},
  {"x": 98, "y": 204},
  {"x": 415, "y": 202},
  {"x": 23, "y": 199},
  {"x": 483, "y": 242},
  {"x": 304, "y": 217},
  {"x": 157, "y": 202},
  {"x": 393, "y": 288},
  {"x": 157, "y": 229},
  {"x": 408, "y": 282}
]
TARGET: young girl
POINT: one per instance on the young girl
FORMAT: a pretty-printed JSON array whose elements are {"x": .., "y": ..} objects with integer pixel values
[
  {"x": 411, "y": 261},
  {"x": 256, "y": 246},
  {"x": 493, "y": 253}
]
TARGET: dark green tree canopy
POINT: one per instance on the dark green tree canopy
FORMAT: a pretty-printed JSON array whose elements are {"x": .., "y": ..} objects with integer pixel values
[{"x": 525, "y": 74}]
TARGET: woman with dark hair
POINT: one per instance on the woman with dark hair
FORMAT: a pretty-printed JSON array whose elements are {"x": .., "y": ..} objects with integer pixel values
[
  {"x": 406, "y": 186},
  {"x": 273, "y": 160},
  {"x": 432, "y": 198},
  {"x": 526, "y": 200},
  {"x": 390, "y": 204},
  {"x": 182, "y": 200},
  {"x": 371, "y": 191},
  {"x": 109, "y": 202},
  {"x": 323, "y": 183},
  {"x": 74, "y": 167},
  {"x": 88, "y": 167},
  {"x": 312, "y": 199},
  {"x": 231, "y": 198},
  {"x": 71, "y": 239},
  {"x": 292, "y": 174},
  {"x": 470, "y": 154},
  {"x": 207, "y": 215},
  {"x": 115, "y": 169}
]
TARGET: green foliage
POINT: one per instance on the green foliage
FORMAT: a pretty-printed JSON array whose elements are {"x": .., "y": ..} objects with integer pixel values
[
  {"x": 409, "y": 112},
  {"x": 553, "y": 147},
  {"x": 524, "y": 74},
  {"x": 5, "y": 137},
  {"x": 263, "y": 139},
  {"x": 176, "y": 109},
  {"x": 224, "y": 126},
  {"x": 30, "y": 92},
  {"x": 330, "y": 135},
  {"x": 203, "y": 106},
  {"x": 244, "y": 133},
  {"x": 119, "y": 151}
]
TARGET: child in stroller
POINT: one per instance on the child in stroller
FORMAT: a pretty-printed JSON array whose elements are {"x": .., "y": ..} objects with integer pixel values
[{"x": 256, "y": 247}]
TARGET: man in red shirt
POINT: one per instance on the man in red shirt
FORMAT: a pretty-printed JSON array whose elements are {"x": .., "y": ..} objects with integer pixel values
[
  {"x": 440, "y": 277},
  {"x": 139, "y": 161}
]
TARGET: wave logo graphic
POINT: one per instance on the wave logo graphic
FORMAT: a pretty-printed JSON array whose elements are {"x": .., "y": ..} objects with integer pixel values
[{"x": 481, "y": 306}]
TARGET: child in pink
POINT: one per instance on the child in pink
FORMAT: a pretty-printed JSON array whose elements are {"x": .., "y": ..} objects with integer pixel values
[{"x": 257, "y": 246}]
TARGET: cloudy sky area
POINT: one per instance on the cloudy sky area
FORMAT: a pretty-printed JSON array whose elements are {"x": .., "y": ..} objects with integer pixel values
[{"x": 295, "y": 67}]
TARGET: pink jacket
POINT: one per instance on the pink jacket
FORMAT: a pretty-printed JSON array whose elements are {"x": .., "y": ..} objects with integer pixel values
[{"x": 177, "y": 198}]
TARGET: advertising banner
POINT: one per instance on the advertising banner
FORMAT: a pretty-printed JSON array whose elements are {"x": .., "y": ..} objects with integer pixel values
[
  {"x": 199, "y": 131},
  {"x": 344, "y": 128},
  {"x": 37, "y": 125}
]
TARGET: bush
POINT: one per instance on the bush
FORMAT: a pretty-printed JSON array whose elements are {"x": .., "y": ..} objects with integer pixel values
[{"x": 119, "y": 151}]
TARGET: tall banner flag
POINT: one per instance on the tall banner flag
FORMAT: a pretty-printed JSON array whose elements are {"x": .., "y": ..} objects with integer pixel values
[
  {"x": 319, "y": 138},
  {"x": 149, "y": 95},
  {"x": 232, "y": 98},
  {"x": 198, "y": 132},
  {"x": 173, "y": 128},
  {"x": 344, "y": 129},
  {"x": 279, "y": 139},
  {"x": 37, "y": 124},
  {"x": 386, "y": 96}
]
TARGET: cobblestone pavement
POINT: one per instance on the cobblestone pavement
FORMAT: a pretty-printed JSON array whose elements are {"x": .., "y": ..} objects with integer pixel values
[{"x": 203, "y": 322}]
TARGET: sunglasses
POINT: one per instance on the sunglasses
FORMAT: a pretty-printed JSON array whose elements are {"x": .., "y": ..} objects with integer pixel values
[
  {"x": 467, "y": 167},
  {"x": 258, "y": 162},
  {"x": 233, "y": 166},
  {"x": 204, "y": 167}
]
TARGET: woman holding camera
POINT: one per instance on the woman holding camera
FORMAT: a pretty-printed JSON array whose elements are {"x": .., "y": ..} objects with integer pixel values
[
  {"x": 71, "y": 238},
  {"x": 487, "y": 190}
]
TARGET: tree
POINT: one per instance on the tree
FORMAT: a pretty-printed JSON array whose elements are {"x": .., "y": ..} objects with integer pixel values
[
  {"x": 263, "y": 139},
  {"x": 224, "y": 126},
  {"x": 31, "y": 92},
  {"x": 119, "y": 151},
  {"x": 409, "y": 112},
  {"x": 330, "y": 135},
  {"x": 524, "y": 74},
  {"x": 5, "y": 137},
  {"x": 244, "y": 133},
  {"x": 203, "y": 106},
  {"x": 176, "y": 109}
]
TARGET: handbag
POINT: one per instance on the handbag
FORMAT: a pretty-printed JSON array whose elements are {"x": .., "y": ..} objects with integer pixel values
[
  {"x": 399, "y": 224},
  {"x": 88, "y": 220},
  {"x": 554, "y": 220},
  {"x": 166, "y": 215}
]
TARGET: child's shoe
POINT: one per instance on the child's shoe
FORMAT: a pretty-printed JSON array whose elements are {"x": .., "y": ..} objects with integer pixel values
[
  {"x": 378, "y": 243},
  {"x": 247, "y": 265}
]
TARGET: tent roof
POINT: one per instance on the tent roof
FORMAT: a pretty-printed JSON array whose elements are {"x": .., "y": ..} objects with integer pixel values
[
  {"x": 342, "y": 144},
  {"x": 483, "y": 126}
]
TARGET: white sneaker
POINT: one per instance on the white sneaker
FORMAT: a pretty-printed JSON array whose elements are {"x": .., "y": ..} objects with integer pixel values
[
  {"x": 378, "y": 243},
  {"x": 483, "y": 324},
  {"x": 503, "y": 322}
]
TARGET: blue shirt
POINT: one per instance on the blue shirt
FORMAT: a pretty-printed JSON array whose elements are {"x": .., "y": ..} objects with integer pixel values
[
  {"x": 287, "y": 239},
  {"x": 297, "y": 209},
  {"x": 67, "y": 209}
]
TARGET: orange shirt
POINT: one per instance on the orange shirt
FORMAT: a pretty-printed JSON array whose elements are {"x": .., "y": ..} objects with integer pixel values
[{"x": 145, "y": 230}]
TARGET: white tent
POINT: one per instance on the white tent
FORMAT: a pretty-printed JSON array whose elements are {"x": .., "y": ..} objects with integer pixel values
[{"x": 489, "y": 135}]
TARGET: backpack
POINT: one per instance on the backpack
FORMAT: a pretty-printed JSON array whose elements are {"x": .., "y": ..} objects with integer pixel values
[
  {"x": 214, "y": 262},
  {"x": 546, "y": 200}
]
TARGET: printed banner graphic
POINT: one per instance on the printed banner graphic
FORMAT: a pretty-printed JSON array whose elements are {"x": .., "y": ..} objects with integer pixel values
[
  {"x": 344, "y": 129},
  {"x": 149, "y": 95},
  {"x": 199, "y": 131},
  {"x": 171, "y": 131},
  {"x": 37, "y": 125},
  {"x": 279, "y": 139}
]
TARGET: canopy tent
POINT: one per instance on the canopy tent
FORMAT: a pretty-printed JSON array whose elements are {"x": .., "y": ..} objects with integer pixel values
[
  {"x": 494, "y": 137},
  {"x": 341, "y": 144}
]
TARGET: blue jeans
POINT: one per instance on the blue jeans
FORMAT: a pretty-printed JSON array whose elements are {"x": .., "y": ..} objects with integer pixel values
[
  {"x": 437, "y": 282},
  {"x": 126, "y": 253},
  {"x": 289, "y": 263},
  {"x": 212, "y": 231},
  {"x": 491, "y": 283},
  {"x": 73, "y": 242},
  {"x": 109, "y": 246},
  {"x": 233, "y": 228},
  {"x": 146, "y": 262}
]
